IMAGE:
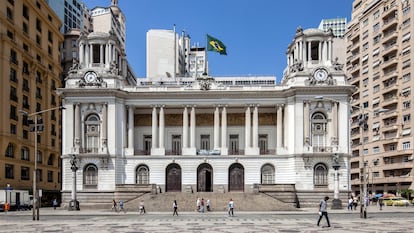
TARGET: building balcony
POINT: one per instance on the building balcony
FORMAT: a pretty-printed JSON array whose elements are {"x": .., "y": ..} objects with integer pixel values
[
  {"x": 391, "y": 179},
  {"x": 394, "y": 166}
]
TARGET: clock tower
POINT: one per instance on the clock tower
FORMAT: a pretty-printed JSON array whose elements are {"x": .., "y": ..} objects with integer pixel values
[{"x": 313, "y": 60}]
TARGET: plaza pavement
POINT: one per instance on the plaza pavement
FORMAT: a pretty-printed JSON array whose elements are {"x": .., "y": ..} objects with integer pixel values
[{"x": 390, "y": 219}]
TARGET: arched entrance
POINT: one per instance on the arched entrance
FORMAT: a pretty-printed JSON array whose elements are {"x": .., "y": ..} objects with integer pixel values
[
  {"x": 173, "y": 178},
  {"x": 204, "y": 178},
  {"x": 236, "y": 177}
]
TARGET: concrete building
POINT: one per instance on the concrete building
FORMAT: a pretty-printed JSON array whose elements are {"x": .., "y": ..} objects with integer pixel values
[
  {"x": 205, "y": 134},
  {"x": 337, "y": 25},
  {"x": 379, "y": 62},
  {"x": 170, "y": 56},
  {"x": 30, "y": 67}
]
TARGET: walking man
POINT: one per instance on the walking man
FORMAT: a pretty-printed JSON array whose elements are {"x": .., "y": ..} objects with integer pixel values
[
  {"x": 231, "y": 207},
  {"x": 175, "y": 207},
  {"x": 323, "y": 205}
]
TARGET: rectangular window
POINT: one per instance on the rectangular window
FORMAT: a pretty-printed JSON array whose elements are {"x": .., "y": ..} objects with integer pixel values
[
  {"x": 39, "y": 175},
  {"x": 406, "y": 119},
  {"x": 406, "y": 104},
  {"x": 263, "y": 144},
  {"x": 376, "y": 27},
  {"x": 49, "y": 176},
  {"x": 25, "y": 173},
  {"x": 147, "y": 144},
  {"x": 25, "y": 154},
  {"x": 38, "y": 25},
  {"x": 406, "y": 145},
  {"x": 176, "y": 145},
  {"x": 234, "y": 144},
  {"x": 9, "y": 14},
  {"x": 13, "y": 129},
  {"x": 25, "y": 12},
  {"x": 13, "y": 75},
  {"x": 204, "y": 142},
  {"x": 375, "y": 150},
  {"x": 13, "y": 113},
  {"x": 9, "y": 171},
  {"x": 406, "y": 77}
]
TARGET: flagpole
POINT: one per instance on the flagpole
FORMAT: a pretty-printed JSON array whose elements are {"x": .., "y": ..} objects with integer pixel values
[{"x": 175, "y": 55}]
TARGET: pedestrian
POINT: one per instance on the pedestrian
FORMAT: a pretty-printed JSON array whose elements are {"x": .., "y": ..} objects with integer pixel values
[
  {"x": 355, "y": 203},
  {"x": 381, "y": 202},
  {"x": 350, "y": 203},
  {"x": 141, "y": 207},
  {"x": 114, "y": 205},
  {"x": 323, "y": 211},
  {"x": 208, "y": 204},
  {"x": 121, "y": 206},
  {"x": 175, "y": 207},
  {"x": 198, "y": 202},
  {"x": 55, "y": 203},
  {"x": 202, "y": 205},
  {"x": 231, "y": 208}
]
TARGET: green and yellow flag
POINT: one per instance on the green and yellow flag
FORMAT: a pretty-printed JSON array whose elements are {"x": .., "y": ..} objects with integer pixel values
[{"x": 215, "y": 45}]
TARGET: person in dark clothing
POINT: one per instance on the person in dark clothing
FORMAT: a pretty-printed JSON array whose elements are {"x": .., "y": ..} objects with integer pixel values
[
  {"x": 175, "y": 207},
  {"x": 323, "y": 206}
]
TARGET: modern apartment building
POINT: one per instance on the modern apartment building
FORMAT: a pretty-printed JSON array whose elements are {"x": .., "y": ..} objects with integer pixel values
[
  {"x": 337, "y": 25},
  {"x": 170, "y": 56},
  {"x": 379, "y": 64},
  {"x": 30, "y": 69}
]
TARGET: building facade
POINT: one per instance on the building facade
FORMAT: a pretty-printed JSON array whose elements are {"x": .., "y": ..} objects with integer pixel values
[
  {"x": 205, "y": 134},
  {"x": 379, "y": 62},
  {"x": 170, "y": 56},
  {"x": 30, "y": 67}
]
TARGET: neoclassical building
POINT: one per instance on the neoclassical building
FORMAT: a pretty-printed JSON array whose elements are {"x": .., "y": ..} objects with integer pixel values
[{"x": 208, "y": 134}]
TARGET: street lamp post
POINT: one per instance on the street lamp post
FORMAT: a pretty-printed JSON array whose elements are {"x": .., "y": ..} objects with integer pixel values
[
  {"x": 36, "y": 129},
  {"x": 74, "y": 203}
]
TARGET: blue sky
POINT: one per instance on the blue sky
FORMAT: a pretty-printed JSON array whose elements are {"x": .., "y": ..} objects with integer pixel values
[{"x": 255, "y": 32}]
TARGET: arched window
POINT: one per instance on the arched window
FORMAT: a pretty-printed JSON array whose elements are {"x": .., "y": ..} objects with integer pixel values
[
  {"x": 92, "y": 132},
  {"x": 319, "y": 131},
  {"x": 142, "y": 174},
  {"x": 268, "y": 174},
  {"x": 90, "y": 177},
  {"x": 39, "y": 156},
  {"x": 320, "y": 175}
]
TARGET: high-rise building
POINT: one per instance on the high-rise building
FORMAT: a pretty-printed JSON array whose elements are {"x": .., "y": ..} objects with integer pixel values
[
  {"x": 30, "y": 67},
  {"x": 337, "y": 25},
  {"x": 379, "y": 64},
  {"x": 170, "y": 57}
]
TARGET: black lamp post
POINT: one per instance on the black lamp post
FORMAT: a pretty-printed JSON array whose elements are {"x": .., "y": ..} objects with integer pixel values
[
  {"x": 74, "y": 203},
  {"x": 336, "y": 202}
]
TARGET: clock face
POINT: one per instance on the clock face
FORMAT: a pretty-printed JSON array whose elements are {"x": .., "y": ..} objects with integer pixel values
[
  {"x": 320, "y": 74},
  {"x": 90, "y": 77}
]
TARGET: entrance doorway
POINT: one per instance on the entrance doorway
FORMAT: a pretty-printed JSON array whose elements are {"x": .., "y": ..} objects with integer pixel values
[
  {"x": 236, "y": 177},
  {"x": 173, "y": 178},
  {"x": 204, "y": 178}
]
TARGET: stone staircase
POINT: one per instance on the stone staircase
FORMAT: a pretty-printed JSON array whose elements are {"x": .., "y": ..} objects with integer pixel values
[{"x": 219, "y": 201}]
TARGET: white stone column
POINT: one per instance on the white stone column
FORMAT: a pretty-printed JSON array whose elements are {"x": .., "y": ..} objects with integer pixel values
[
  {"x": 216, "y": 129},
  {"x": 247, "y": 128},
  {"x": 131, "y": 128},
  {"x": 306, "y": 119},
  {"x": 77, "y": 119},
  {"x": 309, "y": 52},
  {"x": 320, "y": 52},
  {"x": 255, "y": 127},
  {"x": 104, "y": 136},
  {"x": 154, "y": 129},
  {"x": 185, "y": 128},
  {"x": 279, "y": 126},
  {"x": 162, "y": 128},
  {"x": 101, "y": 55},
  {"x": 192, "y": 128},
  {"x": 81, "y": 54},
  {"x": 330, "y": 50},
  {"x": 90, "y": 55},
  {"x": 335, "y": 122},
  {"x": 87, "y": 53},
  {"x": 224, "y": 149}
]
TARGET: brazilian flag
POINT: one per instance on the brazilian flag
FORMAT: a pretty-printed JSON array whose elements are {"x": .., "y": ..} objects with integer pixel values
[{"x": 215, "y": 45}]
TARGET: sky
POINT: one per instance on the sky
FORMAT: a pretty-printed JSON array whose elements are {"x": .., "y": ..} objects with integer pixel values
[{"x": 255, "y": 32}]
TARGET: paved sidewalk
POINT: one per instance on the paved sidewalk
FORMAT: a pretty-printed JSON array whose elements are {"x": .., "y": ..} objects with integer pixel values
[{"x": 390, "y": 219}]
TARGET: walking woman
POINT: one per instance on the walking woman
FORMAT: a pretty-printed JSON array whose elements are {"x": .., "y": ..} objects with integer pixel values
[{"x": 175, "y": 207}]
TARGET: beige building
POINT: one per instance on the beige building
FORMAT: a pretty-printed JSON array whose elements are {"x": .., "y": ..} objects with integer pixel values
[
  {"x": 30, "y": 69},
  {"x": 379, "y": 64}
]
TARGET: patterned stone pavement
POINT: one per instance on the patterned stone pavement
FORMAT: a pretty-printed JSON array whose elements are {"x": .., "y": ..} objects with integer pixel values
[{"x": 393, "y": 219}]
